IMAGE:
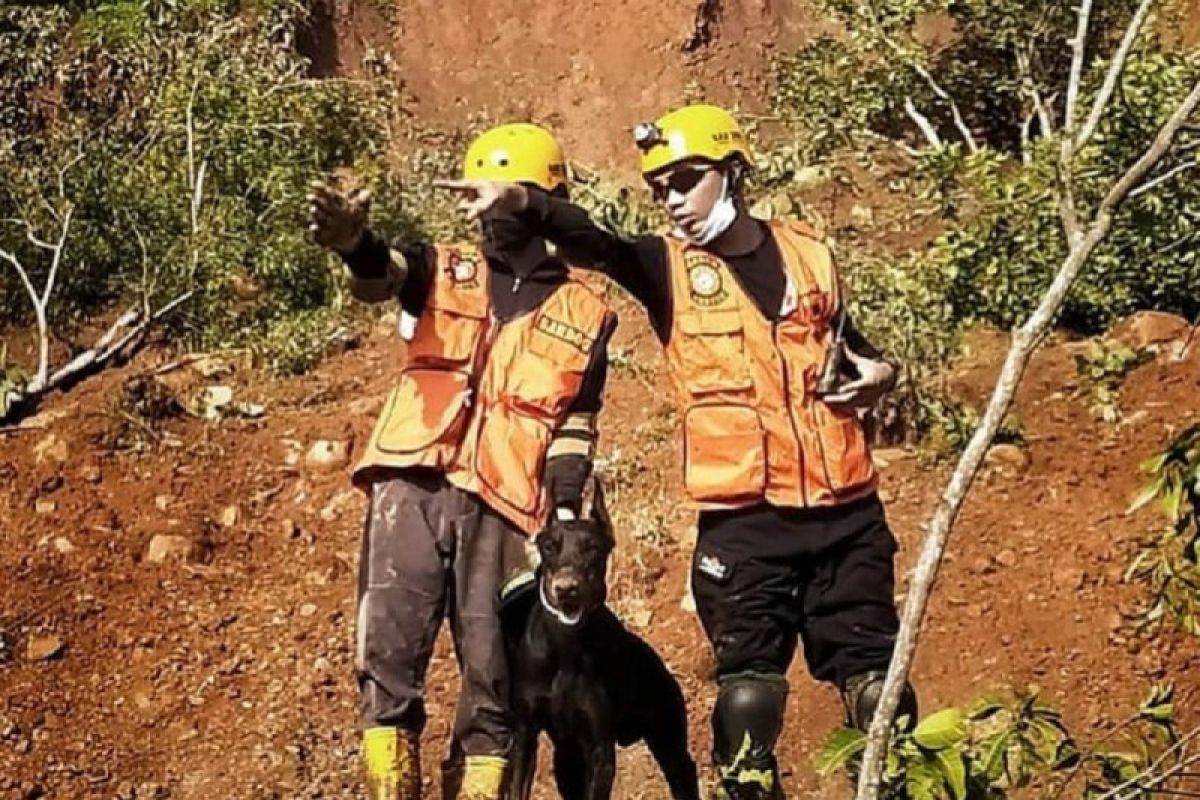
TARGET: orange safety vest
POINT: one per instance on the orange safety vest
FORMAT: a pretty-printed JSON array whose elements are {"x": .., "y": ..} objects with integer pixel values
[
  {"x": 753, "y": 427},
  {"x": 479, "y": 399}
]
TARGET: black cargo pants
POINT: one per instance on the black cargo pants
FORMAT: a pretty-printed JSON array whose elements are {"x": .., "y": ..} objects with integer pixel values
[
  {"x": 766, "y": 576},
  {"x": 431, "y": 550}
]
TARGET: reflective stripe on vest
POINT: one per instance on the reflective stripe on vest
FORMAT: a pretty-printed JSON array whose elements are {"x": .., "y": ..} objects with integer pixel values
[
  {"x": 753, "y": 428},
  {"x": 480, "y": 401}
]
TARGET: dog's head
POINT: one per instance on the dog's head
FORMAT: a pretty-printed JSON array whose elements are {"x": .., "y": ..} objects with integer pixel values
[{"x": 574, "y": 559}]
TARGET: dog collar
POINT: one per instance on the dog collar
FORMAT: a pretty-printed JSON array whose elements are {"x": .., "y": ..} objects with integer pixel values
[{"x": 564, "y": 619}]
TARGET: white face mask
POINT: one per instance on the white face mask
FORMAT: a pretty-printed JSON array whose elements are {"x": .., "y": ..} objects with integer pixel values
[{"x": 720, "y": 217}]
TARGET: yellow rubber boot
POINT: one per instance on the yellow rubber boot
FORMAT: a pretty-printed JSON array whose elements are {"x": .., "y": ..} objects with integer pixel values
[
  {"x": 483, "y": 778},
  {"x": 392, "y": 761}
]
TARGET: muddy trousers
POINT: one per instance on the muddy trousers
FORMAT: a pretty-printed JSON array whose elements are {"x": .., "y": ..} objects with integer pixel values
[{"x": 429, "y": 551}]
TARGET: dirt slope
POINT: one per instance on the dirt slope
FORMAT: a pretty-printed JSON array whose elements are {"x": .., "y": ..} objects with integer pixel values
[
  {"x": 590, "y": 71},
  {"x": 229, "y": 674}
]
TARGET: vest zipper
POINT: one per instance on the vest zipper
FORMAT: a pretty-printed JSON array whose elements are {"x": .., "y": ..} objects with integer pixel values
[
  {"x": 481, "y": 356},
  {"x": 787, "y": 406}
]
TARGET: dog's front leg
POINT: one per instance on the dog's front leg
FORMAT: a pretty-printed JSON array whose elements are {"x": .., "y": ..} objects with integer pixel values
[
  {"x": 602, "y": 768},
  {"x": 523, "y": 764}
]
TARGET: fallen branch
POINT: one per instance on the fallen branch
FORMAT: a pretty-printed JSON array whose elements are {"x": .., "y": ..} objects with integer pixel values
[
  {"x": 1024, "y": 341},
  {"x": 99, "y": 354}
]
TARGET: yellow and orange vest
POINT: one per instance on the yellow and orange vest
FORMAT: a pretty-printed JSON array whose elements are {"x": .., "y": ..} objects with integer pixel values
[
  {"x": 754, "y": 429},
  {"x": 480, "y": 400}
]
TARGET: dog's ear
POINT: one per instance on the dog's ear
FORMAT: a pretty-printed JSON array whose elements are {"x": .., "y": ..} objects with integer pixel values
[{"x": 599, "y": 509}]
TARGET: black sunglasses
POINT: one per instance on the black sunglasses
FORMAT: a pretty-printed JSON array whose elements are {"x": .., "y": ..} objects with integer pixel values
[{"x": 682, "y": 181}]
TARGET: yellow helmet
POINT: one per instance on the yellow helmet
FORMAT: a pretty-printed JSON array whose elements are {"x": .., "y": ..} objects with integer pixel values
[
  {"x": 698, "y": 131},
  {"x": 517, "y": 153}
]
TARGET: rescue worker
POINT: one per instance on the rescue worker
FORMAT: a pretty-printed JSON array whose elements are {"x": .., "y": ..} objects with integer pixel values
[
  {"x": 793, "y": 542},
  {"x": 490, "y": 429}
]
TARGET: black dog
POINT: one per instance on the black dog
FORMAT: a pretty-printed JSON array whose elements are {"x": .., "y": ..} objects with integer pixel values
[{"x": 579, "y": 675}]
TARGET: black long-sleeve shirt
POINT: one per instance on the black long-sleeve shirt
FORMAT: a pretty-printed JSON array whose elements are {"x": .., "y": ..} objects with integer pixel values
[{"x": 641, "y": 265}]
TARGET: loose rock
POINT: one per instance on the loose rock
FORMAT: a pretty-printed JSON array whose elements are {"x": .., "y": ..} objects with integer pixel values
[
  {"x": 166, "y": 546},
  {"x": 51, "y": 448},
  {"x": 327, "y": 455},
  {"x": 1008, "y": 455},
  {"x": 44, "y": 648}
]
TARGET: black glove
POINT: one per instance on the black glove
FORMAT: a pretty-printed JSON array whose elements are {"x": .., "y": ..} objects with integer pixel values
[{"x": 566, "y": 477}]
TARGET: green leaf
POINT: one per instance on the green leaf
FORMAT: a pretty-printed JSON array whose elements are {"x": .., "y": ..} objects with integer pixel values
[
  {"x": 1068, "y": 755},
  {"x": 941, "y": 729},
  {"x": 991, "y": 757},
  {"x": 1147, "y": 494},
  {"x": 922, "y": 779},
  {"x": 954, "y": 771},
  {"x": 985, "y": 708},
  {"x": 1172, "y": 500},
  {"x": 841, "y": 746}
]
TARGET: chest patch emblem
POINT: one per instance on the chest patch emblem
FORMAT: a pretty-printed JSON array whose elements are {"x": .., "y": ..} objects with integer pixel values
[
  {"x": 463, "y": 271},
  {"x": 706, "y": 283}
]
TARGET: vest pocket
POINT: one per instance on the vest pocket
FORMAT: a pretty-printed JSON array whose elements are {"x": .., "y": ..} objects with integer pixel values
[
  {"x": 428, "y": 407},
  {"x": 844, "y": 452},
  {"x": 712, "y": 352},
  {"x": 724, "y": 453},
  {"x": 541, "y": 386},
  {"x": 510, "y": 454},
  {"x": 444, "y": 337}
]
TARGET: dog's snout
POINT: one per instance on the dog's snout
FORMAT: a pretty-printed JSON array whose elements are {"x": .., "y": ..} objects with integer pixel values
[{"x": 565, "y": 585}]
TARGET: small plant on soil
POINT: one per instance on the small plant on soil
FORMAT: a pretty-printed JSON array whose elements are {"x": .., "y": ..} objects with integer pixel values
[
  {"x": 1015, "y": 743},
  {"x": 1168, "y": 565},
  {"x": 12, "y": 381},
  {"x": 1103, "y": 368},
  {"x": 948, "y": 425}
]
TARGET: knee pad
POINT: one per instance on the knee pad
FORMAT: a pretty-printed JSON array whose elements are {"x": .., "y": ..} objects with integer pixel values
[
  {"x": 747, "y": 721},
  {"x": 861, "y": 696}
]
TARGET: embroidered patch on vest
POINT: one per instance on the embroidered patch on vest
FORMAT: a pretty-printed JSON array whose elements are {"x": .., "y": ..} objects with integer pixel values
[
  {"x": 565, "y": 333},
  {"x": 463, "y": 271},
  {"x": 705, "y": 283}
]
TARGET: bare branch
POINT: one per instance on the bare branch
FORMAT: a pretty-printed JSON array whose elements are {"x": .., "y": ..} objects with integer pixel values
[
  {"x": 22, "y": 274},
  {"x": 1136, "y": 781},
  {"x": 959, "y": 122},
  {"x": 1067, "y": 212},
  {"x": 1029, "y": 86},
  {"x": 1161, "y": 179},
  {"x": 56, "y": 261},
  {"x": 1078, "y": 48},
  {"x": 104, "y": 349},
  {"x": 923, "y": 123},
  {"x": 32, "y": 237},
  {"x": 1025, "y": 340},
  {"x": 62, "y": 173},
  {"x": 43, "y": 328},
  {"x": 1114, "y": 73},
  {"x": 1027, "y": 138}
]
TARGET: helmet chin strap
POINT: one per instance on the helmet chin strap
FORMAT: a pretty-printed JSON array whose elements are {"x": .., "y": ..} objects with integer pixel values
[
  {"x": 720, "y": 217},
  {"x": 570, "y": 620}
]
